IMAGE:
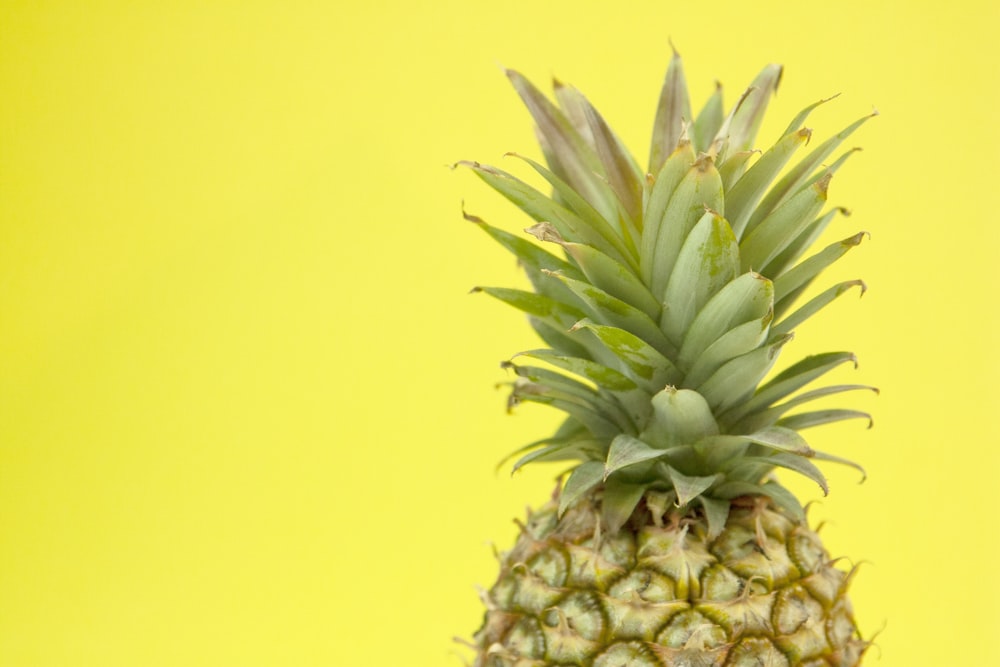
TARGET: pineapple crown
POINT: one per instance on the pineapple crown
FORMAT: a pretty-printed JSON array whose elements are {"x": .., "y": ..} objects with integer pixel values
[{"x": 670, "y": 296}]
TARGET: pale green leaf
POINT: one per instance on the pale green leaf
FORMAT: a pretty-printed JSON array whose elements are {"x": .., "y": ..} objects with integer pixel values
[
  {"x": 614, "y": 278},
  {"x": 553, "y": 312},
  {"x": 709, "y": 120},
  {"x": 627, "y": 450},
  {"x": 597, "y": 373},
  {"x": 746, "y": 298},
  {"x": 814, "y": 305},
  {"x": 673, "y": 110},
  {"x": 830, "y": 458},
  {"x": 776, "y": 231},
  {"x": 747, "y": 192},
  {"x": 708, "y": 260},
  {"x": 797, "y": 175},
  {"x": 608, "y": 230},
  {"x": 680, "y": 417},
  {"x": 805, "y": 420},
  {"x": 700, "y": 189},
  {"x": 800, "y": 118},
  {"x": 790, "y": 380},
  {"x": 788, "y": 286},
  {"x": 771, "y": 415},
  {"x": 582, "y": 448},
  {"x": 542, "y": 208},
  {"x": 608, "y": 310},
  {"x": 737, "y": 341},
  {"x": 780, "y": 439},
  {"x": 688, "y": 488},
  {"x": 792, "y": 462},
  {"x": 622, "y": 172},
  {"x": 716, "y": 513},
  {"x": 798, "y": 246},
  {"x": 644, "y": 364},
  {"x": 527, "y": 252},
  {"x": 736, "y": 380},
  {"x": 575, "y": 161},
  {"x": 661, "y": 193},
  {"x": 584, "y": 477},
  {"x": 749, "y": 113},
  {"x": 620, "y": 500}
]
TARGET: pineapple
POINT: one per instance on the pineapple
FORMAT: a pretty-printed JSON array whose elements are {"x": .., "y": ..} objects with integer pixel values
[{"x": 664, "y": 296}]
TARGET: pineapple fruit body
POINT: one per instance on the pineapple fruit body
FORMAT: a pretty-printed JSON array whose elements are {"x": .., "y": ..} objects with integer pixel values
[
  {"x": 665, "y": 301},
  {"x": 660, "y": 592}
]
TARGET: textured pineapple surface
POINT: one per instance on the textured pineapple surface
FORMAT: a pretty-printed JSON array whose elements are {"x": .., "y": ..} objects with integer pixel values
[{"x": 660, "y": 593}]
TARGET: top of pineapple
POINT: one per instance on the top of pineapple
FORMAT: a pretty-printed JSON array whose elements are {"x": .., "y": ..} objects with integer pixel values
[{"x": 668, "y": 294}]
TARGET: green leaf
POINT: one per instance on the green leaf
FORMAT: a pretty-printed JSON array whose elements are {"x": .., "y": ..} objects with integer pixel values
[
  {"x": 800, "y": 118},
  {"x": 790, "y": 380},
  {"x": 680, "y": 417},
  {"x": 798, "y": 246},
  {"x": 793, "y": 179},
  {"x": 597, "y": 373},
  {"x": 673, "y": 110},
  {"x": 794, "y": 462},
  {"x": 716, "y": 513},
  {"x": 590, "y": 413},
  {"x": 576, "y": 162},
  {"x": 830, "y": 458},
  {"x": 700, "y": 189},
  {"x": 606, "y": 229},
  {"x": 584, "y": 477},
  {"x": 549, "y": 310},
  {"x": 766, "y": 241},
  {"x": 561, "y": 451},
  {"x": 788, "y": 286},
  {"x": 562, "y": 342},
  {"x": 731, "y": 170},
  {"x": 527, "y": 252},
  {"x": 661, "y": 193},
  {"x": 623, "y": 173},
  {"x": 611, "y": 311},
  {"x": 689, "y": 488},
  {"x": 614, "y": 278},
  {"x": 620, "y": 500},
  {"x": 746, "y": 298},
  {"x": 805, "y": 420},
  {"x": 715, "y": 451},
  {"x": 708, "y": 260},
  {"x": 747, "y": 192},
  {"x": 708, "y": 122},
  {"x": 771, "y": 415},
  {"x": 814, "y": 305},
  {"x": 736, "y": 342},
  {"x": 749, "y": 113},
  {"x": 736, "y": 380},
  {"x": 781, "y": 439},
  {"x": 646, "y": 366},
  {"x": 542, "y": 208},
  {"x": 626, "y": 451},
  {"x": 554, "y": 380}
]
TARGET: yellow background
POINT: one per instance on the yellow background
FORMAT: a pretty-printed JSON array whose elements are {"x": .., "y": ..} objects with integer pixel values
[{"x": 247, "y": 413}]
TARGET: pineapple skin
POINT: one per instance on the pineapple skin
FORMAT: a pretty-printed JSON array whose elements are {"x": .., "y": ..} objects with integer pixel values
[{"x": 660, "y": 593}]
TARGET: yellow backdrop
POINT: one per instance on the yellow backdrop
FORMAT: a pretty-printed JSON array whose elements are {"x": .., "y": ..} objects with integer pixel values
[{"x": 247, "y": 407}]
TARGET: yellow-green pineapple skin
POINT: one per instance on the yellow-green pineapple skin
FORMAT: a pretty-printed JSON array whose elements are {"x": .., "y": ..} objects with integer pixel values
[{"x": 662, "y": 594}]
